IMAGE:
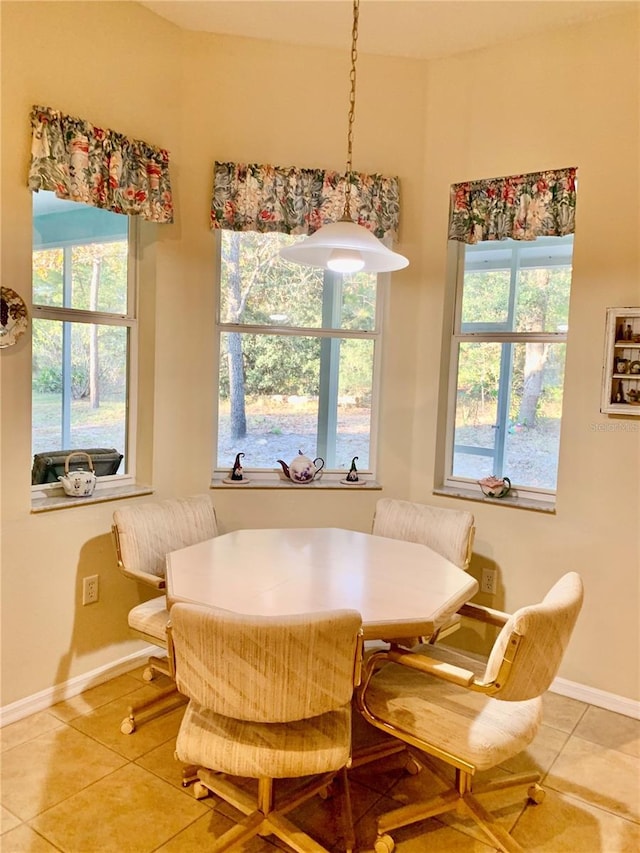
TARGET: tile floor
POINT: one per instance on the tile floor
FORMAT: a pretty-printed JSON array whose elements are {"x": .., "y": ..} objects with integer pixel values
[{"x": 72, "y": 782}]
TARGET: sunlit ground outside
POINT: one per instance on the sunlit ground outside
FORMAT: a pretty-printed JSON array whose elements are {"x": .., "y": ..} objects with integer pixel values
[
  {"x": 101, "y": 427},
  {"x": 278, "y": 427},
  {"x": 531, "y": 451}
]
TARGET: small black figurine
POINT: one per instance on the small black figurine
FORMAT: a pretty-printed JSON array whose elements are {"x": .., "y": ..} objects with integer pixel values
[
  {"x": 352, "y": 476},
  {"x": 236, "y": 473}
]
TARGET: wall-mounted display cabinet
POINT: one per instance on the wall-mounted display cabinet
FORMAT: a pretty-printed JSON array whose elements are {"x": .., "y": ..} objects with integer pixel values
[{"x": 621, "y": 372}]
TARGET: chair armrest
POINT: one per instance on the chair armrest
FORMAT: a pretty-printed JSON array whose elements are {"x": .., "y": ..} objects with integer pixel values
[
  {"x": 484, "y": 614},
  {"x": 431, "y": 666},
  {"x": 144, "y": 577},
  {"x": 418, "y": 661}
]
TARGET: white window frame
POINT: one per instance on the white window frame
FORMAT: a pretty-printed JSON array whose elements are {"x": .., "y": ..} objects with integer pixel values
[
  {"x": 456, "y": 270},
  {"x": 130, "y": 321},
  {"x": 263, "y": 476}
]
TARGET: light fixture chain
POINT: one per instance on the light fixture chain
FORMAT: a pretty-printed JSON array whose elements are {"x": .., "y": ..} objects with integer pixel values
[{"x": 352, "y": 109}]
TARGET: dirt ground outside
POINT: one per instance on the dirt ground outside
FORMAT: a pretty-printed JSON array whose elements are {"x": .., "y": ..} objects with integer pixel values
[
  {"x": 531, "y": 452},
  {"x": 279, "y": 435}
]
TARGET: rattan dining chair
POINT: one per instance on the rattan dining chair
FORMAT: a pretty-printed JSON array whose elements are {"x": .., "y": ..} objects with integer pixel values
[
  {"x": 449, "y": 532},
  {"x": 467, "y": 715},
  {"x": 144, "y": 534},
  {"x": 269, "y": 699}
]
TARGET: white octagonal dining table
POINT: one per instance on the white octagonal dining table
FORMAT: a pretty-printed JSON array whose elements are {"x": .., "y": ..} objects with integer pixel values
[{"x": 401, "y": 589}]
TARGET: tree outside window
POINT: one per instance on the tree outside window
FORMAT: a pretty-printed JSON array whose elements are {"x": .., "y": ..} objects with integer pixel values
[
  {"x": 298, "y": 354},
  {"x": 82, "y": 322},
  {"x": 508, "y": 358}
]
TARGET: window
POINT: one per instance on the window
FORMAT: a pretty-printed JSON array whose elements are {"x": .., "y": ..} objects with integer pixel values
[
  {"x": 299, "y": 350},
  {"x": 507, "y": 362},
  {"x": 83, "y": 328}
]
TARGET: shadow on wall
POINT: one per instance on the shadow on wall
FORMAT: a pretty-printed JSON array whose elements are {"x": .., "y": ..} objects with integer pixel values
[
  {"x": 103, "y": 623},
  {"x": 473, "y": 635}
]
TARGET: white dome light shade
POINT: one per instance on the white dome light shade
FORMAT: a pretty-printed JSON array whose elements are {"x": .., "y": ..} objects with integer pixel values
[{"x": 343, "y": 245}]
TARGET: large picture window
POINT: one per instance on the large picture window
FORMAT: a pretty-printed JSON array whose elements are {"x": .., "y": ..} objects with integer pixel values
[
  {"x": 83, "y": 328},
  {"x": 507, "y": 361},
  {"x": 298, "y": 357}
]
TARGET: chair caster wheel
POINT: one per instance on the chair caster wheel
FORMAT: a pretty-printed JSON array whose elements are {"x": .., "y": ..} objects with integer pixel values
[
  {"x": 327, "y": 792},
  {"x": 384, "y": 844},
  {"x": 127, "y": 726},
  {"x": 536, "y": 794},
  {"x": 148, "y": 674},
  {"x": 412, "y": 767},
  {"x": 200, "y": 791}
]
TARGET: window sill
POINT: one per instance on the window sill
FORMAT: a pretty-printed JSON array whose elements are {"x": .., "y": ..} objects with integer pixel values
[
  {"x": 265, "y": 480},
  {"x": 45, "y": 501},
  {"x": 512, "y": 500}
]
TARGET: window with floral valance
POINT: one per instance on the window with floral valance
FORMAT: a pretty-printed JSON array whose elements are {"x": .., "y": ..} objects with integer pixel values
[
  {"x": 520, "y": 207},
  {"x": 99, "y": 167},
  {"x": 252, "y": 197},
  {"x": 511, "y": 274}
]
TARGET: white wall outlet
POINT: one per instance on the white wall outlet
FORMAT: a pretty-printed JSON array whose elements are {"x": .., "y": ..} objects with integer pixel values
[
  {"x": 90, "y": 589},
  {"x": 488, "y": 581}
]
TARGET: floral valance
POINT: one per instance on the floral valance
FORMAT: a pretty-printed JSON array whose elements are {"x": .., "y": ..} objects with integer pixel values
[
  {"x": 522, "y": 207},
  {"x": 299, "y": 201},
  {"x": 102, "y": 168}
]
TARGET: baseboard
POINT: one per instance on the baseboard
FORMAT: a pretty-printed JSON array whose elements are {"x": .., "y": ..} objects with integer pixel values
[
  {"x": 52, "y": 695},
  {"x": 599, "y": 698},
  {"x": 46, "y": 698}
]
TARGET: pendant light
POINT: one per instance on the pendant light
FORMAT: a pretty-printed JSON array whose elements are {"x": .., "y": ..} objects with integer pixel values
[{"x": 345, "y": 246}]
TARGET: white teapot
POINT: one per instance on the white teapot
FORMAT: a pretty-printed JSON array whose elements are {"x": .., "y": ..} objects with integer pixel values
[
  {"x": 79, "y": 483},
  {"x": 302, "y": 469}
]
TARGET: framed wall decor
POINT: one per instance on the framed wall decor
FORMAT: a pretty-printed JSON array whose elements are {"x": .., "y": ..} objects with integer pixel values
[
  {"x": 13, "y": 317},
  {"x": 621, "y": 370}
]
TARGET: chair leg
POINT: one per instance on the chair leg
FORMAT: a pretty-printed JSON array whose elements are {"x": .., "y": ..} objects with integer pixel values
[
  {"x": 248, "y": 828},
  {"x": 292, "y": 835},
  {"x": 406, "y": 815},
  {"x": 263, "y": 818},
  {"x": 491, "y": 828},
  {"x": 157, "y": 664},
  {"x": 128, "y": 725},
  {"x": 347, "y": 813}
]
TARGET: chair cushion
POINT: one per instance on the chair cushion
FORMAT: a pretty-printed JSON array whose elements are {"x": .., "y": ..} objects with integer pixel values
[
  {"x": 148, "y": 532},
  {"x": 482, "y": 731},
  {"x": 276, "y": 750},
  {"x": 447, "y": 531},
  {"x": 151, "y": 618}
]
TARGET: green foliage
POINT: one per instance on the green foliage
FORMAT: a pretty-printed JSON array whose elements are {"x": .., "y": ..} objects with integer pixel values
[
  {"x": 258, "y": 288},
  {"x": 107, "y": 261}
]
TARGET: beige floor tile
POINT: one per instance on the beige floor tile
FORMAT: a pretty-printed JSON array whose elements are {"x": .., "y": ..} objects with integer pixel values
[
  {"x": 95, "y": 697},
  {"x": 363, "y": 798},
  {"x": 129, "y": 811},
  {"x": 381, "y": 775},
  {"x": 45, "y": 770},
  {"x": 200, "y": 835},
  {"x": 8, "y": 820},
  {"x": 103, "y": 724},
  {"x": 562, "y": 824},
  {"x": 614, "y": 731},
  {"x": 162, "y": 763},
  {"x": 602, "y": 777},
  {"x": 23, "y": 839},
  {"x": 561, "y": 712},
  {"x": 539, "y": 755},
  {"x": 27, "y": 729}
]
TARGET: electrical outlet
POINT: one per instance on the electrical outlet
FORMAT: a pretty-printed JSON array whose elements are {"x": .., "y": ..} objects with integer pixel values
[
  {"x": 488, "y": 581},
  {"x": 90, "y": 589}
]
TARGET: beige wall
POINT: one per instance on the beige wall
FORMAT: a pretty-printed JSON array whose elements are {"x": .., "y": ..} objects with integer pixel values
[{"x": 568, "y": 100}]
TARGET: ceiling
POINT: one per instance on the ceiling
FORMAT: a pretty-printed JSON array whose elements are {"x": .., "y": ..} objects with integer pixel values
[{"x": 423, "y": 29}]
